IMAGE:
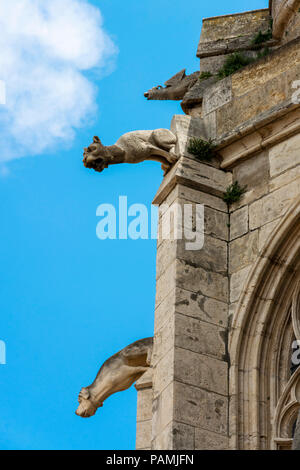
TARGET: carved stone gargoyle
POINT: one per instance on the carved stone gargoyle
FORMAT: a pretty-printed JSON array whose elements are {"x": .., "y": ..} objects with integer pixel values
[
  {"x": 188, "y": 88},
  {"x": 175, "y": 88},
  {"x": 133, "y": 147},
  {"x": 118, "y": 373}
]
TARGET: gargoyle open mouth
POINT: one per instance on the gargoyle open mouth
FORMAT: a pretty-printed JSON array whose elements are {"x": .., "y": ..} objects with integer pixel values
[{"x": 97, "y": 164}]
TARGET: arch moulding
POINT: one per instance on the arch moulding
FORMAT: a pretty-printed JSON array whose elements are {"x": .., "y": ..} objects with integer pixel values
[{"x": 264, "y": 398}]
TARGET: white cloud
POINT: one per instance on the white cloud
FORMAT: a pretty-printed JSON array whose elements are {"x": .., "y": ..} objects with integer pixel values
[{"x": 46, "y": 46}]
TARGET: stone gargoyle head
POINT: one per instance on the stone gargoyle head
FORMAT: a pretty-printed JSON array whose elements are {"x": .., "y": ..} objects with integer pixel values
[
  {"x": 175, "y": 88},
  {"x": 97, "y": 156},
  {"x": 87, "y": 407}
]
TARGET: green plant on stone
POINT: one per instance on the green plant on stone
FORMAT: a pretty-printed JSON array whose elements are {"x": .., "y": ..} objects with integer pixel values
[
  {"x": 234, "y": 192},
  {"x": 271, "y": 22},
  {"x": 261, "y": 38},
  {"x": 202, "y": 149},
  {"x": 205, "y": 75},
  {"x": 234, "y": 63},
  {"x": 266, "y": 51}
]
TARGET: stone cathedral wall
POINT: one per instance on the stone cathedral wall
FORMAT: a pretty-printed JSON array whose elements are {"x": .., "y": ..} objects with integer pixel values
[{"x": 188, "y": 399}]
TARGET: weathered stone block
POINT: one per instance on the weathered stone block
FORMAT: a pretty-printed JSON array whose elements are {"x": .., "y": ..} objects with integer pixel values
[
  {"x": 186, "y": 127},
  {"x": 265, "y": 71},
  {"x": 198, "y": 280},
  {"x": 202, "y": 175},
  {"x": 206, "y": 440},
  {"x": 213, "y": 64},
  {"x": 171, "y": 221},
  {"x": 239, "y": 223},
  {"x": 212, "y": 257},
  {"x": 162, "y": 410},
  {"x": 243, "y": 251},
  {"x": 164, "y": 310},
  {"x": 264, "y": 233},
  {"x": 164, "y": 340},
  {"x": 273, "y": 205},
  {"x": 216, "y": 223},
  {"x": 200, "y": 408},
  {"x": 176, "y": 436},
  {"x": 168, "y": 201},
  {"x": 193, "y": 173},
  {"x": 163, "y": 372},
  {"x": 215, "y": 212},
  {"x": 200, "y": 337},
  {"x": 201, "y": 371},
  {"x": 166, "y": 283},
  {"x": 284, "y": 155},
  {"x": 144, "y": 405},
  {"x": 253, "y": 172},
  {"x": 183, "y": 436},
  {"x": 217, "y": 95},
  {"x": 166, "y": 254},
  {"x": 285, "y": 178},
  {"x": 234, "y": 25},
  {"x": 250, "y": 106},
  {"x": 199, "y": 197},
  {"x": 231, "y": 312},
  {"x": 237, "y": 282},
  {"x": 143, "y": 435},
  {"x": 252, "y": 194},
  {"x": 145, "y": 381},
  {"x": 203, "y": 308}
]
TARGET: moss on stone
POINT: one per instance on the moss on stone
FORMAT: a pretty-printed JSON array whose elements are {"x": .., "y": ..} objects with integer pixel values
[
  {"x": 234, "y": 63},
  {"x": 234, "y": 192},
  {"x": 202, "y": 149}
]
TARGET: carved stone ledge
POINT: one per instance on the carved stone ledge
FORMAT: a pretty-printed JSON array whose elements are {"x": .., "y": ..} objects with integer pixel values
[
  {"x": 228, "y": 33},
  {"x": 196, "y": 175},
  {"x": 229, "y": 46},
  {"x": 273, "y": 128},
  {"x": 145, "y": 381}
]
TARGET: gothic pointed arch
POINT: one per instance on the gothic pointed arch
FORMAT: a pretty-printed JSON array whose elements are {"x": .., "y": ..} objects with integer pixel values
[{"x": 264, "y": 390}]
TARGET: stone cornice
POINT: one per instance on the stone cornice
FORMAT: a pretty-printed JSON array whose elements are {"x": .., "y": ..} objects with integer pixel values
[
  {"x": 227, "y": 33},
  {"x": 195, "y": 175},
  {"x": 271, "y": 129}
]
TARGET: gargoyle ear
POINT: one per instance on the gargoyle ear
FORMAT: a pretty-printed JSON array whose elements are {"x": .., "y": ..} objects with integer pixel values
[
  {"x": 84, "y": 393},
  {"x": 97, "y": 140},
  {"x": 176, "y": 78}
]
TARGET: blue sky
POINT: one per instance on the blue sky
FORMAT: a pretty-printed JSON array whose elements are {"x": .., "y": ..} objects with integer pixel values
[{"x": 69, "y": 300}]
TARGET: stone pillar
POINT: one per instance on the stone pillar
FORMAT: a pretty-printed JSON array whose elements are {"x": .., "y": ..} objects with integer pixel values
[
  {"x": 190, "y": 360},
  {"x": 144, "y": 411}
]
